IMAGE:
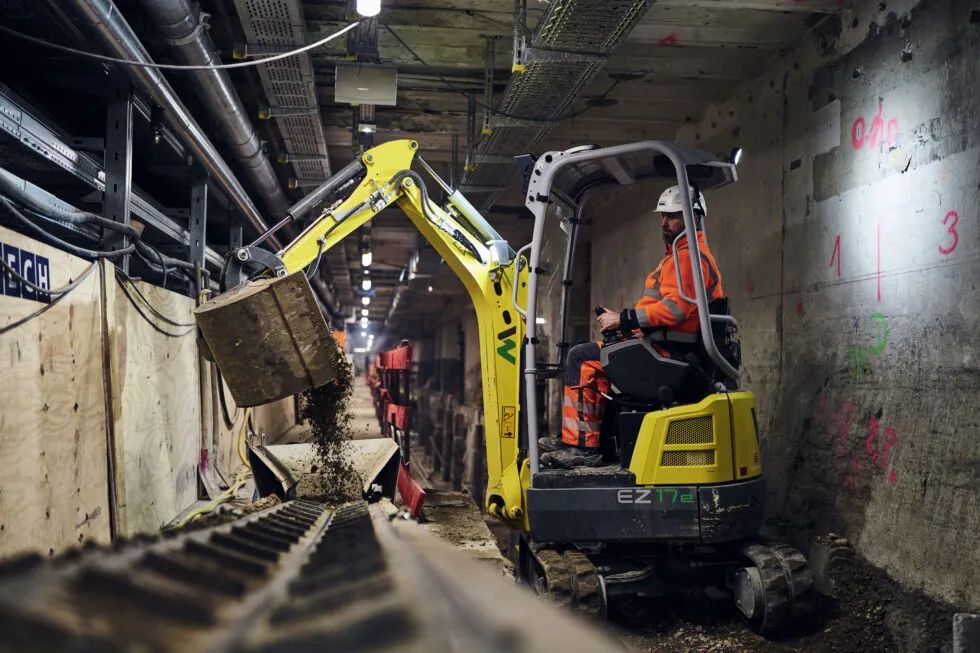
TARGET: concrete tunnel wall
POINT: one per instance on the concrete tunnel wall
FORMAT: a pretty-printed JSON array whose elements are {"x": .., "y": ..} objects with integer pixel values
[{"x": 850, "y": 250}]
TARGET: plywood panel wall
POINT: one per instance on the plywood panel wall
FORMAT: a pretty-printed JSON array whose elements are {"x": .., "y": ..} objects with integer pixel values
[
  {"x": 156, "y": 404},
  {"x": 53, "y": 459}
]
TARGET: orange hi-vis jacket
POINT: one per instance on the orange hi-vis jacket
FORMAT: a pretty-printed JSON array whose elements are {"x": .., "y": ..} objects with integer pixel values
[{"x": 662, "y": 304}]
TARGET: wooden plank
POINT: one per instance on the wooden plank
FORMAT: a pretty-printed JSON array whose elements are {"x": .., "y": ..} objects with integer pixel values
[
  {"x": 156, "y": 406},
  {"x": 53, "y": 460}
]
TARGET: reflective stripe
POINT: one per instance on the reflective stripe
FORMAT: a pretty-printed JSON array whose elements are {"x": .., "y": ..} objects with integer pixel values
[
  {"x": 673, "y": 336},
  {"x": 712, "y": 272},
  {"x": 582, "y": 425},
  {"x": 642, "y": 319},
  {"x": 674, "y": 309},
  {"x": 652, "y": 292}
]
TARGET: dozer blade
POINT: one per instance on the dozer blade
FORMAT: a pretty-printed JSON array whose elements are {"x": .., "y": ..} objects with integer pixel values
[{"x": 269, "y": 339}]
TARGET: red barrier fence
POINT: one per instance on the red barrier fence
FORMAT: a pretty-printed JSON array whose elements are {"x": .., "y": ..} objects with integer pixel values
[{"x": 388, "y": 377}]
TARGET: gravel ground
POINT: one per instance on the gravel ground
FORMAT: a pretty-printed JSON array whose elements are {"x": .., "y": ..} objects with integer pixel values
[{"x": 873, "y": 614}]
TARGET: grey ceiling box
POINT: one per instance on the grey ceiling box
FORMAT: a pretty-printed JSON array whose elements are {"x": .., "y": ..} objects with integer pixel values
[{"x": 366, "y": 84}]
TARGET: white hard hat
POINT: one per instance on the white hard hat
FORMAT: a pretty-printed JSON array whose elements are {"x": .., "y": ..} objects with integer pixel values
[{"x": 670, "y": 201}]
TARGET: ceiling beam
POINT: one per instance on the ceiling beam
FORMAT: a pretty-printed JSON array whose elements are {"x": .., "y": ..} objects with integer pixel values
[{"x": 804, "y": 6}]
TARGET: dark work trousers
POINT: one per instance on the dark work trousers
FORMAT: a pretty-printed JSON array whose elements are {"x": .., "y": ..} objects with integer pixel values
[{"x": 586, "y": 351}]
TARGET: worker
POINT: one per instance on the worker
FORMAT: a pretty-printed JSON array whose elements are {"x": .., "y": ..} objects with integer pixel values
[{"x": 661, "y": 311}]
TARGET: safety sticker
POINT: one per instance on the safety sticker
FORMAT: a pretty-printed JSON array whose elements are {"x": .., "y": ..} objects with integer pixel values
[{"x": 508, "y": 417}]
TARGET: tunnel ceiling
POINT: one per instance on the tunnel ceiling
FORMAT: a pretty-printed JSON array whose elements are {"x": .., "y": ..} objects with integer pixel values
[{"x": 675, "y": 57}]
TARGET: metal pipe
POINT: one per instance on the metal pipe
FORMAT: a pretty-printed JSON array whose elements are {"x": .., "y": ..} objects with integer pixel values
[
  {"x": 115, "y": 35},
  {"x": 187, "y": 35}
]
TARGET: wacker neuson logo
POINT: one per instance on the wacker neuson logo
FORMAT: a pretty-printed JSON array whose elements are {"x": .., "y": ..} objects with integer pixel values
[{"x": 31, "y": 266}]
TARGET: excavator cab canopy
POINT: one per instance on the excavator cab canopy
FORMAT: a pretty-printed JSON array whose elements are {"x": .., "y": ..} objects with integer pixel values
[{"x": 570, "y": 176}]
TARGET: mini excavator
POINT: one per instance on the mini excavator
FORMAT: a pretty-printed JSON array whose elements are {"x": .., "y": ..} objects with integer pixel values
[{"x": 682, "y": 503}]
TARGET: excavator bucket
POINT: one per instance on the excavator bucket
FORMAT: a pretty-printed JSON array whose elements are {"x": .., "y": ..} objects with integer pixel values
[{"x": 269, "y": 339}]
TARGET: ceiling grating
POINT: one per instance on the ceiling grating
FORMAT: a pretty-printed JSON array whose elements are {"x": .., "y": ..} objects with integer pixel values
[
  {"x": 288, "y": 83},
  {"x": 559, "y": 61}
]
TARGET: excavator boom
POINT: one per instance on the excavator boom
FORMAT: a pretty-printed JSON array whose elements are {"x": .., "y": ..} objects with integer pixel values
[{"x": 282, "y": 324}]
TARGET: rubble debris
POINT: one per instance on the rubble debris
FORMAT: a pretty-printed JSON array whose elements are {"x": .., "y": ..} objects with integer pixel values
[{"x": 328, "y": 411}]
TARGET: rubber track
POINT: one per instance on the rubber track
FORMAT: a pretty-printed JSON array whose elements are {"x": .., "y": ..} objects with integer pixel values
[
  {"x": 298, "y": 576},
  {"x": 796, "y": 569},
  {"x": 774, "y": 582},
  {"x": 572, "y": 580}
]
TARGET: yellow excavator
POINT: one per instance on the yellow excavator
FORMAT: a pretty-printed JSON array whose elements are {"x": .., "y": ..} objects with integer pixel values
[{"x": 681, "y": 502}]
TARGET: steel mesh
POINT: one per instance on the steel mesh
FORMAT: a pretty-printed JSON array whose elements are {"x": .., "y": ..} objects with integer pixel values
[
  {"x": 697, "y": 430},
  {"x": 687, "y": 458},
  {"x": 288, "y": 83},
  {"x": 548, "y": 89}
]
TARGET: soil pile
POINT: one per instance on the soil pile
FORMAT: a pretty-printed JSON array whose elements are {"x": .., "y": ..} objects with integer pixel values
[{"x": 328, "y": 411}]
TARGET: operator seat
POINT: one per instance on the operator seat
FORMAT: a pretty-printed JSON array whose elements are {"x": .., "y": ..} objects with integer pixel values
[{"x": 642, "y": 376}]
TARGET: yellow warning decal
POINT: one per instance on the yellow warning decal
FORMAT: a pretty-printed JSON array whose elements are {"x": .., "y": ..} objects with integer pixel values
[{"x": 508, "y": 416}]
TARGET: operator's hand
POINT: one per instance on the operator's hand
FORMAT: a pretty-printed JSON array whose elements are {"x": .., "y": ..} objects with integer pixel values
[{"x": 608, "y": 321}]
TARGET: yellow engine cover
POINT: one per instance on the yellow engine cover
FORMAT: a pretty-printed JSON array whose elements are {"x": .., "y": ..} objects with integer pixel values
[{"x": 712, "y": 441}]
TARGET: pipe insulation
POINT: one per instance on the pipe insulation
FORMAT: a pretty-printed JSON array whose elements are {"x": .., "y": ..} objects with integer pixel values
[
  {"x": 104, "y": 20},
  {"x": 187, "y": 34}
]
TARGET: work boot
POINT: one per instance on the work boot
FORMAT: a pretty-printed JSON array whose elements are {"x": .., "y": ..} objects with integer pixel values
[
  {"x": 547, "y": 445},
  {"x": 568, "y": 457}
]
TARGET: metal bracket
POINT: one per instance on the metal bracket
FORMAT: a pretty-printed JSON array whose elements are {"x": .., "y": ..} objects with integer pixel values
[{"x": 263, "y": 258}]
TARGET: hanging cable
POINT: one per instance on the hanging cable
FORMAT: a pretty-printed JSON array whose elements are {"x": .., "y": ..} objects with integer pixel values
[
  {"x": 149, "y": 321},
  {"x": 241, "y": 443},
  {"x": 123, "y": 279},
  {"x": 142, "y": 64},
  {"x": 226, "y": 496},
  {"x": 61, "y": 294},
  {"x": 64, "y": 244}
]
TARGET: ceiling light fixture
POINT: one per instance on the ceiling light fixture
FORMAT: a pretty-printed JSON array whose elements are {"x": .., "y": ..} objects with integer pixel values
[
  {"x": 366, "y": 258},
  {"x": 366, "y": 284},
  {"x": 368, "y": 8},
  {"x": 364, "y": 312},
  {"x": 365, "y": 300}
]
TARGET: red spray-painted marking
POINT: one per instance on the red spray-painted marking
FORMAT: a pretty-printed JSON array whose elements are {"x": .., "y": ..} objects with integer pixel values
[
  {"x": 879, "y": 133},
  {"x": 890, "y": 440},
  {"x": 836, "y": 254},
  {"x": 869, "y": 442},
  {"x": 800, "y": 308},
  {"x": 837, "y": 424},
  {"x": 844, "y": 428},
  {"x": 951, "y": 228},
  {"x": 852, "y": 479},
  {"x": 670, "y": 39}
]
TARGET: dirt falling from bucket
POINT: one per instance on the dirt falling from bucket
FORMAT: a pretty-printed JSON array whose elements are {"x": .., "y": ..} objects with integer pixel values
[{"x": 327, "y": 409}]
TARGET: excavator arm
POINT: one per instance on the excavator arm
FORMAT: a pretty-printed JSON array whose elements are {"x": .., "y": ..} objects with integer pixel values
[{"x": 489, "y": 272}]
